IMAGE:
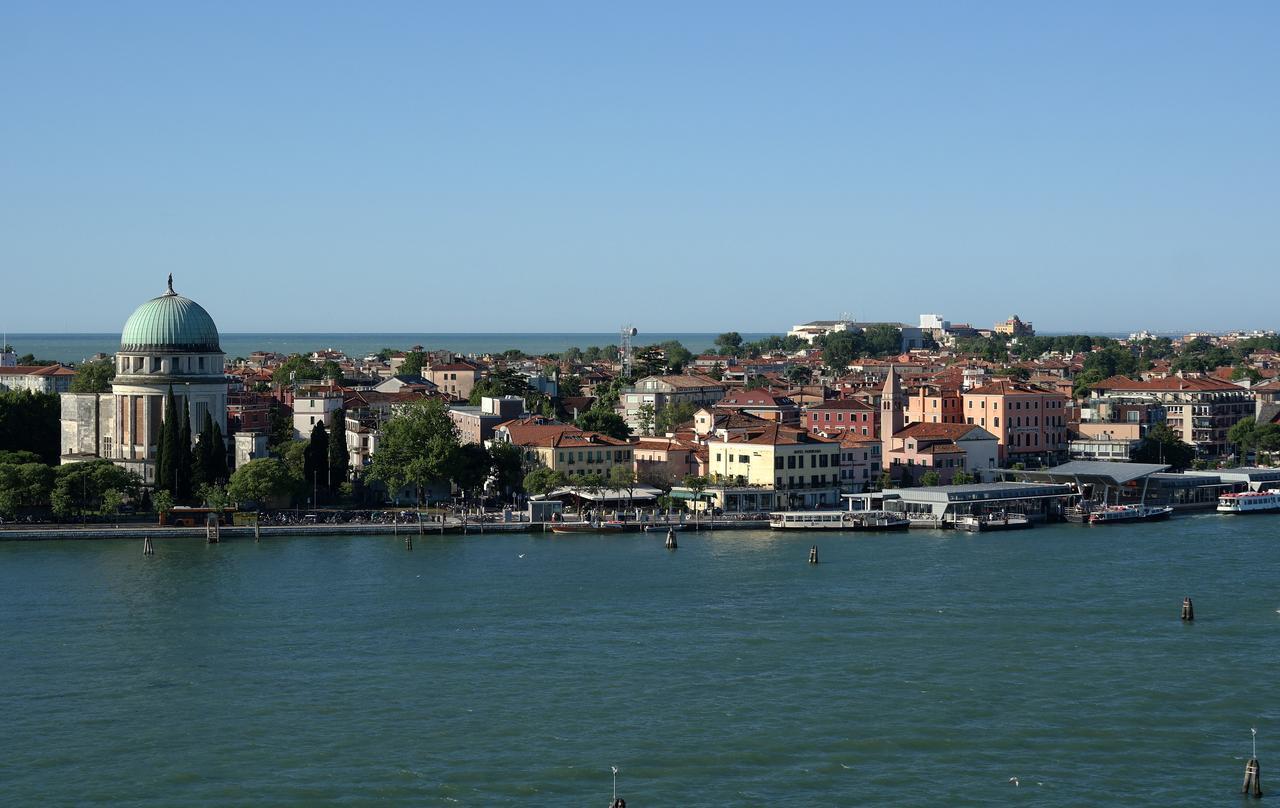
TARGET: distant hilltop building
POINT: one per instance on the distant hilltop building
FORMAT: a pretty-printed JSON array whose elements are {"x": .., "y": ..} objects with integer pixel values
[
  {"x": 1014, "y": 327},
  {"x": 912, "y": 337},
  {"x": 169, "y": 342}
]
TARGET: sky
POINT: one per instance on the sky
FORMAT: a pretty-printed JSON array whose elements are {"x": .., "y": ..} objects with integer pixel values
[{"x": 692, "y": 167}]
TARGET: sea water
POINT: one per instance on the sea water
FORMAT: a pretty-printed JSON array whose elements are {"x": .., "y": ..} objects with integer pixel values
[{"x": 926, "y": 668}]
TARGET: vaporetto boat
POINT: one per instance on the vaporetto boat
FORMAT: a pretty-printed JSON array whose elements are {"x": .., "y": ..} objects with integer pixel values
[
  {"x": 1249, "y": 502},
  {"x": 838, "y": 520}
]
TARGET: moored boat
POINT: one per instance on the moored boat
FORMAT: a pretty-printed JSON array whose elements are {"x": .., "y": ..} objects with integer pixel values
[
  {"x": 676, "y": 526},
  {"x": 1249, "y": 502},
  {"x": 1113, "y": 514},
  {"x": 837, "y": 520},
  {"x": 981, "y": 523},
  {"x": 587, "y": 527}
]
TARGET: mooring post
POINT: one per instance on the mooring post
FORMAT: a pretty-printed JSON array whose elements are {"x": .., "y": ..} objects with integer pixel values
[
  {"x": 671, "y": 538},
  {"x": 1188, "y": 610},
  {"x": 147, "y": 548},
  {"x": 257, "y": 530},
  {"x": 408, "y": 541},
  {"x": 1252, "y": 770},
  {"x": 813, "y": 554}
]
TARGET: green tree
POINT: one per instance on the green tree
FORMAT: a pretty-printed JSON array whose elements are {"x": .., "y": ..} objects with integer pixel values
[
  {"x": 339, "y": 455},
  {"x": 419, "y": 448},
  {"x": 883, "y": 340},
  {"x": 570, "y": 386},
  {"x": 161, "y": 501},
  {"x": 94, "y": 377},
  {"x": 24, "y": 486},
  {"x": 183, "y": 454},
  {"x": 218, "y": 456},
  {"x": 623, "y": 478},
  {"x": 507, "y": 466},
  {"x": 717, "y": 371},
  {"x": 606, "y": 422},
  {"x": 1162, "y": 445},
  {"x": 645, "y": 418},
  {"x": 315, "y": 462},
  {"x": 167, "y": 447},
  {"x": 1243, "y": 435},
  {"x": 839, "y": 348},
  {"x": 279, "y": 427},
  {"x": 31, "y": 422},
  {"x": 930, "y": 477},
  {"x": 677, "y": 355},
  {"x": 471, "y": 467},
  {"x": 673, "y": 415},
  {"x": 331, "y": 370},
  {"x": 729, "y": 343},
  {"x": 962, "y": 478},
  {"x": 543, "y": 480},
  {"x": 261, "y": 481},
  {"x": 501, "y": 382},
  {"x": 412, "y": 366},
  {"x": 213, "y": 496},
  {"x": 81, "y": 488},
  {"x": 297, "y": 369}
]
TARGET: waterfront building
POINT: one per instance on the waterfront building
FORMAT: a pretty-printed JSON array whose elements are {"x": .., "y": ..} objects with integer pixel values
[
  {"x": 168, "y": 343},
  {"x": 916, "y": 449},
  {"x": 665, "y": 460},
  {"x": 934, "y": 403},
  {"x": 315, "y": 405},
  {"x": 1200, "y": 410},
  {"x": 565, "y": 448},
  {"x": 943, "y": 503},
  {"x": 860, "y": 461},
  {"x": 801, "y": 467},
  {"x": 1029, "y": 422}
]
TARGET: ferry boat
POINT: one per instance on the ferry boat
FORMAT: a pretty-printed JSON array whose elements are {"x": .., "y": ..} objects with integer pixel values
[
  {"x": 981, "y": 523},
  {"x": 1113, "y": 514},
  {"x": 837, "y": 520},
  {"x": 587, "y": 527},
  {"x": 1249, "y": 502}
]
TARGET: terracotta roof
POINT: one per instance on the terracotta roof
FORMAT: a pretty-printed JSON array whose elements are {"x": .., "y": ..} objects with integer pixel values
[
  {"x": 1008, "y": 387},
  {"x": 927, "y": 431},
  {"x": 755, "y": 398},
  {"x": 841, "y": 404},
  {"x": 852, "y": 438},
  {"x": 1170, "y": 384},
  {"x": 779, "y": 435},
  {"x": 37, "y": 370}
]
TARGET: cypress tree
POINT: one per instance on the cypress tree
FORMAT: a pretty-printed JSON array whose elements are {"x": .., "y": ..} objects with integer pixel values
[
  {"x": 168, "y": 446},
  {"x": 183, "y": 456},
  {"x": 339, "y": 457},
  {"x": 205, "y": 457},
  {"x": 315, "y": 460},
  {"x": 221, "y": 473}
]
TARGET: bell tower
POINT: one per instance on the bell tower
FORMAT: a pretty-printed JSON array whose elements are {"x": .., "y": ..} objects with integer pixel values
[{"x": 891, "y": 409}]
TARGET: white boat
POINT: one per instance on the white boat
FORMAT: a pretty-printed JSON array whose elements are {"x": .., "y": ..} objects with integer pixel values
[
  {"x": 837, "y": 520},
  {"x": 980, "y": 523},
  {"x": 1113, "y": 514},
  {"x": 1249, "y": 502}
]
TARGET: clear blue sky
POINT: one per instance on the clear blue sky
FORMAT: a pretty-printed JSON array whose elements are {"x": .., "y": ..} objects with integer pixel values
[{"x": 682, "y": 166}]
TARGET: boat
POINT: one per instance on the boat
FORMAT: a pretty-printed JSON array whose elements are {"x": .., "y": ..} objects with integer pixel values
[
  {"x": 663, "y": 528},
  {"x": 982, "y": 523},
  {"x": 1249, "y": 502},
  {"x": 587, "y": 527},
  {"x": 1113, "y": 514},
  {"x": 837, "y": 520}
]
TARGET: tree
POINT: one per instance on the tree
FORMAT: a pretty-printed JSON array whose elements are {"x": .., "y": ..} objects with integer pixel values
[
  {"x": 218, "y": 456},
  {"x": 332, "y": 371},
  {"x": 645, "y": 418},
  {"x": 673, "y": 415},
  {"x": 81, "y": 488},
  {"x": 729, "y": 343},
  {"x": 419, "y": 448},
  {"x": 1246, "y": 372},
  {"x": 501, "y": 382},
  {"x": 677, "y": 355},
  {"x": 962, "y": 477},
  {"x": 279, "y": 427},
  {"x": 213, "y": 496},
  {"x": 261, "y": 481},
  {"x": 471, "y": 467},
  {"x": 606, "y": 422},
  {"x": 94, "y": 377},
  {"x": 570, "y": 386},
  {"x": 883, "y": 340},
  {"x": 31, "y": 422},
  {"x": 930, "y": 477},
  {"x": 717, "y": 371},
  {"x": 799, "y": 374},
  {"x": 543, "y": 480},
  {"x": 161, "y": 501},
  {"x": 315, "y": 461},
  {"x": 412, "y": 365},
  {"x": 623, "y": 478},
  {"x": 1162, "y": 445},
  {"x": 507, "y": 466},
  {"x": 886, "y": 480},
  {"x": 167, "y": 447},
  {"x": 339, "y": 455},
  {"x": 296, "y": 369},
  {"x": 24, "y": 485},
  {"x": 183, "y": 454},
  {"x": 839, "y": 348},
  {"x": 1243, "y": 435}
]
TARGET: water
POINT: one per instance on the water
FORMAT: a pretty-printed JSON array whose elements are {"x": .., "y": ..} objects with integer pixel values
[
  {"x": 925, "y": 668},
  {"x": 71, "y": 348}
]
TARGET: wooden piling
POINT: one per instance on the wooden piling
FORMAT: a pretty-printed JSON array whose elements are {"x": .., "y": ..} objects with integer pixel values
[
  {"x": 671, "y": 539},
  {"x": 813, "y": 554},
  {"x": 212, "y": 528},
  {"x": 257, "y": 530},
  {"x": 1252, "y": 779},
  {"x": 147, "y": 547},
  {"x": 1188, "y": 610},
  {"x": 408, "y": 541}
]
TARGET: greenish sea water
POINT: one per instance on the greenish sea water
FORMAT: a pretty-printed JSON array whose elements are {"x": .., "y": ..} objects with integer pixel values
[{"x": 919, "y": 669}]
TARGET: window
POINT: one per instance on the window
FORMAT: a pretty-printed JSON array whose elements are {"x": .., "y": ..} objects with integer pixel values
[
  {"x": 744, "y": 459},
  {"x": 777, "y": 462},
  {"x": 717, "y": 457},
  {"x": 791, "y": 461},
  {"x": 995, "y": 422}
]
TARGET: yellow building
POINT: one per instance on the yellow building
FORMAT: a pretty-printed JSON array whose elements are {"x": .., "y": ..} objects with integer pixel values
[
  {"x": 565, "y": 448},
  {"x": 798, "y": 465}
]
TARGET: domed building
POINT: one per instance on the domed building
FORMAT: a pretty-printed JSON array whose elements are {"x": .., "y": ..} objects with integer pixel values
[{"x": 168, "y": 342}]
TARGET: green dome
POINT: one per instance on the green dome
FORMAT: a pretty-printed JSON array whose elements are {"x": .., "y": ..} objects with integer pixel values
[{"x": 170, "y": 323}]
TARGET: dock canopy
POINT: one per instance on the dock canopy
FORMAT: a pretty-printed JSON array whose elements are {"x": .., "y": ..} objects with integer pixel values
[
  {"x": 640, "y": 494},
  {"x": 1092, "y": 472}
]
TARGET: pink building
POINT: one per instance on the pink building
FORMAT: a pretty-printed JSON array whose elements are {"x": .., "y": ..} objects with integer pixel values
[{"x": 1026, "y": 420}]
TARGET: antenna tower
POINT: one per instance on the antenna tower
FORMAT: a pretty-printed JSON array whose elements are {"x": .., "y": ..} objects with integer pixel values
[{"x": 624, "y": 348}]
